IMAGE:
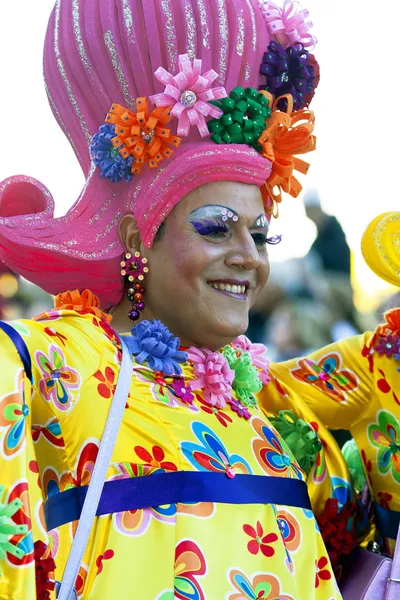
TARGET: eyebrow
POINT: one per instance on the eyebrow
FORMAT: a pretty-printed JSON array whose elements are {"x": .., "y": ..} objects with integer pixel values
[{"x": 212, "y": 210}]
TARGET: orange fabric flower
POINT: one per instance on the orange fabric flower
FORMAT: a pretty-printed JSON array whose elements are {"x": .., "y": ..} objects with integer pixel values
[
  {"x": 83, "y": 302},
  {"x": 142, "y": 134},
  {"x": 287, "y": 134},
  {"x": 392, "y": 322}
]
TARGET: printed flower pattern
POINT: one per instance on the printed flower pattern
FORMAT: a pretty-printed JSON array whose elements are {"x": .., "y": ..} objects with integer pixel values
[
  {"x": 155, "y": 458},
  {"x": 211, "y": 455},
  {"x": 272, "y": 456},
  {"x": 385, "y": 436},
  {"x": 327, "y": 375},
  {"x": 190, "y": 565},
  {"x": 264, "y": 586},
  {"x": 260, "y": 542},
  {"x": 13, "y": 415},
  {"x": 108, "y": 382},
  {"x": 58, "y": 380},
  {"x": 51, "y": 432},
  {"x": 322, "y": 573},
  {"x": 221, "y": 416},
  {"x": 21, "y": 552},
  {"x": 108, "y": 555}
]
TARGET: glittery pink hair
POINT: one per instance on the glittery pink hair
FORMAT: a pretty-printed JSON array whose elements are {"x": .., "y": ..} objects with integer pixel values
[{"x": 99, "y": 52}]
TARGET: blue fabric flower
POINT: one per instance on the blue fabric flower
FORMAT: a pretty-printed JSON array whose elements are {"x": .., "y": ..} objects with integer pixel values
[
  {"x": 113, "y": 166},
  {"x": 153, "y": 343}
]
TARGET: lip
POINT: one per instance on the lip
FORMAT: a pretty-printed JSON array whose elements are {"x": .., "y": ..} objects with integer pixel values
[{"x": 240, "y": 297}]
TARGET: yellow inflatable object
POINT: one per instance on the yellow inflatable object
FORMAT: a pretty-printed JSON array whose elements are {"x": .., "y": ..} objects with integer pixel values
[{"x": 381, "y": 247}]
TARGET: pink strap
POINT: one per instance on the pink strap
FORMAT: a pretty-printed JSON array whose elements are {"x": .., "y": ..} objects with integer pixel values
[{"x": 393, "y": 588}]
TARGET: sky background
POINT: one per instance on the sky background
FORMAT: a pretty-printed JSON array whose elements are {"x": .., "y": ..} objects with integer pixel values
[{"x": 355, "y": 167}]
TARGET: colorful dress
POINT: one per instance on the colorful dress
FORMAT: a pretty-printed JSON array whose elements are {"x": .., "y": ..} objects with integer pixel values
[
  {"x": 354, "y": 385},
  {"x": 49, "y": 439}
]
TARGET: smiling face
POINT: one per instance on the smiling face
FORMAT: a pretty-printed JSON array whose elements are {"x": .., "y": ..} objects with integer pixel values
[{"x": 209, "y": 265}]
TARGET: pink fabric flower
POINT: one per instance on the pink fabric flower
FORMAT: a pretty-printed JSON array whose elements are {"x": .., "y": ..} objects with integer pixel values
[
  {"x": 212, "y": 374},
  {"x": 290, "y": 23},
  {"x": 189, "y": 93},
  {"x": 257, "y": 353}
]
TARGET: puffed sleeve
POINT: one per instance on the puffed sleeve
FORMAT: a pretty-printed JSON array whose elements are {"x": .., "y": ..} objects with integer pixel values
[
  {"x": 335, "y": 382},
  {"x": 26, "y": 566}
]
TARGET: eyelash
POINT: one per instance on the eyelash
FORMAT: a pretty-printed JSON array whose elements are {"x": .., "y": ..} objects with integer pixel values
[{"x": 215, "y": 227}]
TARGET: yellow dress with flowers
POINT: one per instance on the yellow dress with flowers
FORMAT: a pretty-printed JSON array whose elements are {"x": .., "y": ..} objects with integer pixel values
[
  {"x": 49, "y": 437},
  {"x": 354, "y": 385}
]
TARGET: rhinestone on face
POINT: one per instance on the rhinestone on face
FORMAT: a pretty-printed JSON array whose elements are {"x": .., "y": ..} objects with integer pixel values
[
  {"x": 285, "y": 77},
  {"x": 147, "y": 137},
  {"x": 188, "y": 99}
]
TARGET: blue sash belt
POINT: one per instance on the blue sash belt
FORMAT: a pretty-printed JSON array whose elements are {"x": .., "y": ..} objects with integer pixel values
[
  {"x": 185, "y": 487},
  {"x": 387, "y": 521},
  {"x": 20, "y": 347}
]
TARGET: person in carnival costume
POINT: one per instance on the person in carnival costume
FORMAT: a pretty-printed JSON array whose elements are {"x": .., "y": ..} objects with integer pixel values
[{"x": 187, "y": 117}]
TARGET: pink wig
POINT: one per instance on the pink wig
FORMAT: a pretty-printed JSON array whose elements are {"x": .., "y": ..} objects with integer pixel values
[{"x": 99, "y": 52}]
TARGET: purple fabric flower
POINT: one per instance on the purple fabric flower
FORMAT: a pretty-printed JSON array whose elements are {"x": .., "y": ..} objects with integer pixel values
[
  {"x": 389, "y": 346},
  {"x": 113, "y": 166},
  {"x": 239, "y": 408},
  {"x": 291, "y": 71},
  {"x": 153, "y": 343},
  {"x": 182, "y": 391}
]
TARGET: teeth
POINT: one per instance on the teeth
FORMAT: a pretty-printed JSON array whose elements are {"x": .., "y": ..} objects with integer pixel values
[{"x": 227, "y": 287}]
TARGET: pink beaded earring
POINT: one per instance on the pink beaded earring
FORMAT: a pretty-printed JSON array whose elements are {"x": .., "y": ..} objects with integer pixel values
[{"x": 134, "y": 267}]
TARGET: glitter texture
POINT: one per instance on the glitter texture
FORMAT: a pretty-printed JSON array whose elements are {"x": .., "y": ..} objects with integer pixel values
[
  {"x": 171, "y": 37},
  {"x": 223, "y": 34},
  {"x": 78, "y": 36},
  {"x": 128, "y": 20},
  {"x": 109, "y": 42},
  {"x": 191, "y": 29},
  {"x": 60, "y": 119},
  {"x": 112, "y": 225},
  {"x": 247, "y": 73},
  {"x": 240, "y": 35},
  {"x": 253, "y": 25},
  {"x": 98, "y": 215},
  {"x": 205, "y": 34},
  {"x": 65, "y": 78}
]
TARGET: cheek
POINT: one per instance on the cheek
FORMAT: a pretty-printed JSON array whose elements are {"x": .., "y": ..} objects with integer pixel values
[
  {"x": 192, "y": 259},
  {"x": 263, "y": 270}
]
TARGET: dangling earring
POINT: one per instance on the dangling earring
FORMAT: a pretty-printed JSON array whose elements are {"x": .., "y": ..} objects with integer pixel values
[{"x": 134, "y": 267}]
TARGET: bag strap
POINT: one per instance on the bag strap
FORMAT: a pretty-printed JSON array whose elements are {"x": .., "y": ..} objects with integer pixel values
[
  {"x": 66, "y": 590},
  {"x": 20, "y": 347},
  {"x": 393, "y": 587}
]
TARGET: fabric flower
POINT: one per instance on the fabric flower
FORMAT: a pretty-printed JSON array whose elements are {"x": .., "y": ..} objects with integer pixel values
[
  {"x": 222, "y": 417},
  {"x": 240, "y": 409},
  {"x": 155, "y": 458},
  {"x": 153, "y": 343},
  {"x": 289, "y": 23},
  {"x": 260, "y": 541},
  {"x": 142, "y": 134},
  {"x": 189, "y": 93},
  {"x": 388, "y": 345},
  {"x": 243, "y": 120},
  {"x": 257, "y": 353},
  {"x": 104, "y": 155},
  {"x": 212, "y": 373},
  {"x": 246, "y": 382},
  {"x": 44, "y": 568},
  {"x": 286, "y": 135},
  {"x": 289, "y": 71},
  {"x": 301, "y": 438},
  {"x": 8, "y": 528},
  {"x": 182, "y": 391},
  {"x": 337, "y": 529}
]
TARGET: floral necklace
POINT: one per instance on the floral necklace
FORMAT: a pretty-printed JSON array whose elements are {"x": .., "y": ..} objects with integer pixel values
[{"x": 241, "y": 367}]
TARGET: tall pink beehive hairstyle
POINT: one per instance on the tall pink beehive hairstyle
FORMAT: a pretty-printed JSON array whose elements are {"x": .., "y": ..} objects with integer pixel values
[{"x": 108, "y": 53}]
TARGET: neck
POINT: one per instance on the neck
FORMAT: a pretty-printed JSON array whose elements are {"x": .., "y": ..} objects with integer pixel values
[{"x": 122, "y": 324}]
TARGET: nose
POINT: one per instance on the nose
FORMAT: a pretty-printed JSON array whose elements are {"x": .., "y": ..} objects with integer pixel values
[{"x": 243, "y": 253}]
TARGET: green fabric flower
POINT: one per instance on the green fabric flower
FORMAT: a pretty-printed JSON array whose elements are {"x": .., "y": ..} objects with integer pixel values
[
  {"x": 301, "y": 438},
  {"x": 8, "y": 528},
  {"x": 245, "y": 112},
  {"x": 354, "y": 461},
  {"x": 246, "y": 382}
]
